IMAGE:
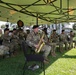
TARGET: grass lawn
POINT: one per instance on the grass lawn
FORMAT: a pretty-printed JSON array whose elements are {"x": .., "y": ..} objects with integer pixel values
[{"x": 63, "y": 64}]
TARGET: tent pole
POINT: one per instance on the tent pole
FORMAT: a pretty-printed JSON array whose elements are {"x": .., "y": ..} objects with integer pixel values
[{"x": 37, "y": 19}]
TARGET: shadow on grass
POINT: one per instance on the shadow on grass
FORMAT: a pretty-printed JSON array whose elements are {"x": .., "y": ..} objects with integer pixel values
[
  {"x": 69, "y": 56},
  {"x": 14, "y": 65},
  {"x": 51, "y": 61}
]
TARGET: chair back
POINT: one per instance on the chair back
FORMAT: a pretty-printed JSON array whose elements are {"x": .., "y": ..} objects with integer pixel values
[
  {"x": 31, "y": 57},
  {"x": 25, "y": 48}
]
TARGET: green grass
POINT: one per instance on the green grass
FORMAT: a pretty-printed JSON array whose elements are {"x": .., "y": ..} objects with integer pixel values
[{"x": 63, "y": 64}]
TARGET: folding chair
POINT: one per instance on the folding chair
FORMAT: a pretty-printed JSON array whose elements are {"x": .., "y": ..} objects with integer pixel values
[{"x": 31, "y": 57}]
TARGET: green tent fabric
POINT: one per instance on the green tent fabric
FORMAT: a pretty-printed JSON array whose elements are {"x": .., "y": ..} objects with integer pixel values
[{"x": 29, "y": 11}]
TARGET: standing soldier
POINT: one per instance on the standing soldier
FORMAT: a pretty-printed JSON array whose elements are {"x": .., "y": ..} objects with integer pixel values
[
  {"x": 33, "y": 40},
  {"x": 54, "y": 39},
  {"x": 63, "y": 40}
]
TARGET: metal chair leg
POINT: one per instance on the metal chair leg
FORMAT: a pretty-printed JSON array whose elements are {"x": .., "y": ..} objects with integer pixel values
[
  {"x": 24, "y": 67},
  {"x": 44, "y": 68}
]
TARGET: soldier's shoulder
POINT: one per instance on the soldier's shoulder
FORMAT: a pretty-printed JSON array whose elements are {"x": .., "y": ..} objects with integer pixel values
[
  {"x": 30, "y": 34},
  {"x": 60, "y": 35},
  {"x": 3, "y": 35}
]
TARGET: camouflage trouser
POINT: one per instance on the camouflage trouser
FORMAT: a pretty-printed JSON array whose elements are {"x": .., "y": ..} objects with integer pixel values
[
  {"x": 62, "y": 44},
  {"x": 10, "y": 45},
  {"x": 70, "y": 44},
  {"x": 74, "y": 44},
  {"x": 16, "y": 46},
  {"x": 4, "y": 50},
  {"x": 53, "y": 46},
  {"x": 20, "y": 43},
  {"x": 46, "y": 49}
]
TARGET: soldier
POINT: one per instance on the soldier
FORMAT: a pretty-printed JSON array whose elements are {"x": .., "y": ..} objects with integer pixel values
[
  {"x": 53, "y": 41},
  {"x": 6, "y": 41},
  {"x": 46, "y": 34},
  {"x": 27, "y": 31},
  {"x": 22, "y": 35},
  {"x": 33, "y": 39},
  {"x": 75, "y": 42},
  {"x": 15, "y": 40},
  {"x": 63, "y": 40},
  {"x": 71, "y": 35},
  {"x": 0, "y": 36}
]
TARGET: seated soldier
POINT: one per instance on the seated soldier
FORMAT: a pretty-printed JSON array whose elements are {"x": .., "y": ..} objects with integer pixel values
[
  {"x": 63, "y": 41},
  {"x": 74, "y": 40},
  {"x": 0, "y": 37},
  {"x": 33, "y": 40},
  {"x": 71, "y": 35},
  {"x": 15, "y": 40},
  {"x": 54, "y": 39},
  {"x": 6, "y": 41}
]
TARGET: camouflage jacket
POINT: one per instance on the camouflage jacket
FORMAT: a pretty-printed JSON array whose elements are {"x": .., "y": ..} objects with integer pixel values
[
  {"x": 54, "y": 37},
  {"x": 15, "y": 38},
  {"x": 6, "y": 39},
  {"x": 22, "y": 35},
  {"x": 63, "y": 37},
  {"x": 32, "y": 38}
]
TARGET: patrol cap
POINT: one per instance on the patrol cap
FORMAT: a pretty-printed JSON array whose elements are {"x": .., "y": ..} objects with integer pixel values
[
  {"x": 6, "y": 29},
  {"x": 14, "y": 29},
  {"x": 63, "y": 30},
  {"x": 54, "y": 30},
  {"x": 20, "y": 29},
  {"x": 71, "y": 31},
  {"x": 35, "y": 26},
  {"x": 44, "y": 28}
]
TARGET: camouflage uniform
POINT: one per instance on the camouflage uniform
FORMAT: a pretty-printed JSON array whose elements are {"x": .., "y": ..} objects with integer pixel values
[
  {"x": 63, "y": 40},
  {"x": 71, "y": 35},
  {"x": 22, "y": 36},
  {"x": 15, "y": 41},
  {"x": 34, "y": 38},
  {"x": 6, "y": 42},
  {"x": 75, "y": 42},
  {"x": 0, "y": 37},
  {"x": 53, "y": 42}
]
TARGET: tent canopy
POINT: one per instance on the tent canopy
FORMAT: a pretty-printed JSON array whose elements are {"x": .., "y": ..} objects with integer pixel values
[{"x": 46, "y": 11}]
